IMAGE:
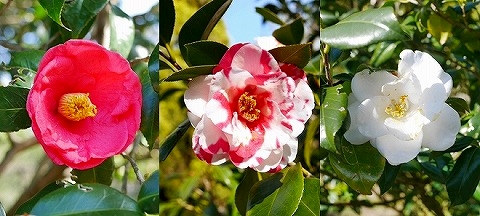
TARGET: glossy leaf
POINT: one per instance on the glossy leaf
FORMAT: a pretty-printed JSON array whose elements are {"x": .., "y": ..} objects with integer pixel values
[
  {"x": 278, "y": 194},
  {"x": 200, "y": 25},
  {"x": 269, "y": 15},
  {"x": 87, "y": 199},
  {"x": 383, "y": 52},
  {"x": 28, "y": 206},
  {"x": 191, "y": 72},
  {"x": 102, "y": 174},
  {"x": 313, "y": 66},
  {"x": 439, "y": 28},
  {"x": 360, "y": 166},
  {"x": 310, "y": 203},
  {"x": 13, "y": 111},
  {"x": 460, "y": 143},
  {"x": 459, "y": 105},
  {"x": 205, "y": 52},
  {"x": 291, "y": 33},
  {"x": 465, "y": 176},
  {"x": 298, "y": 54},
  {"x": 473, "y": 126},
  {"x": 310, "y": 137},
  {"x": 28, "y": 59},
  {"x": 172, "y": 139},
  {"x": 122, "y": 31},
  {"x": 54, "y": 9},
  {"x": 332, "y": 112},
  {"x": 364, "y": 28},
  {"x": 388, "y": 177},
  {"x": 149, "y": 195},
  {"x": 166, "y": 21},
  {"x": 154, "y": 68},
  {"x": 241, "y": 193},
  {"x": 150, "y": 124},
  {"x": 80, "y": 14}
]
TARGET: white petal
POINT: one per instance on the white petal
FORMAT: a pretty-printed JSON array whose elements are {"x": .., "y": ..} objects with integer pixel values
[
  {"x": 367, "y": 85},
  {"x": 398, "y": 151},
  {"x": 432, "y": 101},
  {"x": 218, "y": 110},
  {"x": 209, "y": 143},
  {"x": 407, "y": 128},
  {"x": 353, "y": 135},
  {"x": 421, "y": 64},
  {"x": 302, "y": 110},
  {"x": 371, "y": 116},
  {"x": 441, "y": 133},
  {"x": 196, "y": 96}
]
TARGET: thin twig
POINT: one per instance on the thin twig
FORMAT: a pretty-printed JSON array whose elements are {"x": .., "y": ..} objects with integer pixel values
[
  {"x": 6, "y": 6},
  {"x": 16, "y": 147},
  {"x": 172, "y": 61},
  {"x": 135, "y": 168},
  {"x": 138, "y": 60},
  {"x": 10, "y": 46}
]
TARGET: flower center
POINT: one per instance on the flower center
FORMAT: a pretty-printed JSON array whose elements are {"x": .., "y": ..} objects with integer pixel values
[
  {"x": 397, "y": 109},
  {"x": 76, "y": 106},
  {"x": 247, "y": 107}
]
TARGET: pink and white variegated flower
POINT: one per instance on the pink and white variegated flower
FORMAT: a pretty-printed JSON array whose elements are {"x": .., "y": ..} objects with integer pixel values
[{"x": 249, "y": 111}]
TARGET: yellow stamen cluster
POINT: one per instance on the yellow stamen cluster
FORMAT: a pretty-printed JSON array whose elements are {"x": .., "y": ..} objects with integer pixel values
[
  {"x": 76, "y": 106},
  {"x": 398, "y": 109},
  {"x": 247, "y": 107}
]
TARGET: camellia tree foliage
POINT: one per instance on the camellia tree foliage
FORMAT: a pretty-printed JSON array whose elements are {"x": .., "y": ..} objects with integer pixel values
[
  {"x": 400, "y": 41},
  {"x": 85, "y": 80},
  {"x": 247, "y": 139}
]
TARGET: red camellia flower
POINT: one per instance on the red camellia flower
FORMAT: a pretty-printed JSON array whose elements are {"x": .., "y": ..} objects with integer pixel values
[
  {"x": 84, "y": 104},
  {"x": 249, "y": 111}
]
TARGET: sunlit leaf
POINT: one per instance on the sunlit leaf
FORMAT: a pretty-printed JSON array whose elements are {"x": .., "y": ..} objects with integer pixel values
[
  {"x": 27, "y": 206},
  {"x": 102, "y": 174},
  {"x": 205, "y": 52},
  {"x": 166, "y": 21},
  {"x": 313, "y": 66},
  {"x": 122, "y": 31},
  {"x": 269, "y": 15},
  {"x": 149, "y": 195},
  {"x": 311, "y": 135},
  {"x": 86, "y": 199},
  {"x": 191, "y": 72},
  {"x": 310, "y": 203},
  {"x": 278, "y": 194},
  {"x": 360, "y": 166},
  {"x": 13, "y": 111},
  {"x": 364, "y": 28},
  {"x": 200, "y": 25},
  {"x": 439, "y": 28},
  {"x": 383, "y": 52},
  {"x": 332, "y": 112},
  {"x": 298, "y": 54},
  {"x": 291, "y": 33},
  {"x": 54, "y": 9},
  {"x": 464, "y": 177},
  {"x": 80, "y": 14},
  {"x": 28, "y": 59}
]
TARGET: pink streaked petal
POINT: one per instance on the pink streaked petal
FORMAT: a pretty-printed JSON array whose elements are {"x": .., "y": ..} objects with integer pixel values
[
  {"x": 302, "y": 110},
  {"x": 252, "y": 58},
  {"x": 236, "y": 81},
  {"x": 272, "y": 161},
  {"x": 196, "y": 96},
  {"x": 207, "y": 138},
  {"x": 227, "y": 58},
  {"x": 219, "y": 111}
]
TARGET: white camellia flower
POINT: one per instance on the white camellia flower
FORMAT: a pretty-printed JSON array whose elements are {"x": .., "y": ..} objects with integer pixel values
[{"x": 399, "y": 113}]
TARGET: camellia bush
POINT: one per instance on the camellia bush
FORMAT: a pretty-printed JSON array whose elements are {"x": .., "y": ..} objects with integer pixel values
[
  {"x": 83, "y": 82},
  {"x": 244, "y": 139},
  {"x": 399, "y": 111}
]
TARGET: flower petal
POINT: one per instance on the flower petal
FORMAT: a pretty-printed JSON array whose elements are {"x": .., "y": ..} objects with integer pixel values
[
  {"x": 368, "y": 85},
  {"x": 353, "y": 134},
  {"x": 447, "y": 124},
  {"x": 371, "y": 117},
  {"x": 398, "y": 151},
  {"x": 407, "y": 128},
  {"x": 196, "y": 96},
  {"x": 209, "y": 143}
]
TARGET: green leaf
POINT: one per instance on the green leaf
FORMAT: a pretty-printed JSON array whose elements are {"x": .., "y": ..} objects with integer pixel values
[
  {"x": 80, "y": 14},
  {"x": 460, "y": 143},
  {"x": 149, "y": 195},
  {"x": 278, "y": 194},
  {"x": 291, "y": 33},
  {"x": 459, "y": 105},
  {"x": 388, "y": 177},
  {"x": 28, "y": 206},
  {"x": 298, "y": 54},
  {"x": 150, "y": 124},
  {"x": 191, "y": 72},
  {"x": 201, "y": 24},
  {"x": 310, "y": 202},
  {"x": 122, "y": 31},
  {"x": 172, "y": 139},
  {"x": 332, "y": 112},
  {"x": 473, "y": 126},
  {"x": 28, "y": 59},
  {"x": 310, "y": 137},
  {"x": 243, "y": 189},
  {"x": 364, "y": 28},
  {"x": 205, "y": 52},
  {"x": 154, "y": 68},
  {"x": 269, "y": 15},
  {"x": 166, "y": 21},
  {"x": 87, "y": 199},
  {"x": 439, "y": 28},
  {"x": 313, "y": 66},
  {"x": 102, "y": 173},
  {"x": 383, "y": 52},
  {"x": 465, "y": 176},
  {"x": 54, "y": 10},
  {"x": 13, "y": 111},
  {"x": 360, "y": 166}
]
